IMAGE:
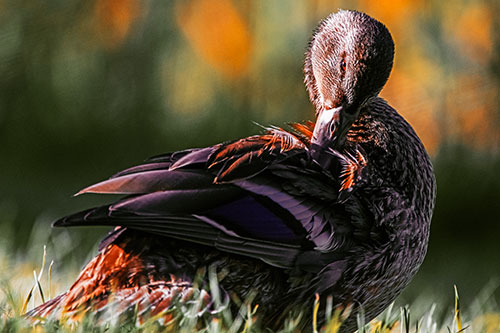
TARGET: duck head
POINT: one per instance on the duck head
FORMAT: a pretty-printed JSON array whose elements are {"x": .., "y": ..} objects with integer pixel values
[{"x": 347, "y": 63}]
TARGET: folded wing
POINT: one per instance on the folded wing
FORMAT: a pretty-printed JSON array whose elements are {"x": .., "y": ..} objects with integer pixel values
[{"x": 260, "y": 197}]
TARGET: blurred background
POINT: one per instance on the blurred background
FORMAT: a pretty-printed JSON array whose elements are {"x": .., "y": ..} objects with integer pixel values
[{"x": 88, "y": 88}]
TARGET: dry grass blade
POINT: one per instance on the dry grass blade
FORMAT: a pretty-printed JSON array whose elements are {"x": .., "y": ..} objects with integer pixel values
[
  {"x": 315, "y": 314},
  {"x": 458, "y": 318},
  {"x": 50, "y": 278},
  {"x": 37, "y": 282},
  {"x": 39, "y": 286},
  {"x": 27, "y": 300},
  {"x": 458, "y": 313}
]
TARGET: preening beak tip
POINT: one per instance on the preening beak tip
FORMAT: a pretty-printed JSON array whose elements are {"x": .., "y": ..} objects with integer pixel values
[{"x": 326, "y": 124}]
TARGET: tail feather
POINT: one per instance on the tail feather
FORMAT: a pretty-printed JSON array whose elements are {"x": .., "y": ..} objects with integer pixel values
[
  {"x": 50, "y": 310},
  {"x": 117, "y": 285}
]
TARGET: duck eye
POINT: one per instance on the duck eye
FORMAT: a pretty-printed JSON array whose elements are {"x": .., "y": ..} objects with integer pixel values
[{"x": 342, "y": 65}]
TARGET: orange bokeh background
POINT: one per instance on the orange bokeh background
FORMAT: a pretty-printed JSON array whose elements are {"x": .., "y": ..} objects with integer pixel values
[{"x": 91, "y": 87}]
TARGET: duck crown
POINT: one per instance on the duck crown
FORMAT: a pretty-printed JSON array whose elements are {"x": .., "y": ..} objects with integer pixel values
[{"x": 348, "y": 60}]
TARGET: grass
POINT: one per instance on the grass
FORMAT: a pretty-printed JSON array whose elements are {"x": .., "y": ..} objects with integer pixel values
[
  {"x": 15, "y": 301},
  {"x": 26, "y": 283}
]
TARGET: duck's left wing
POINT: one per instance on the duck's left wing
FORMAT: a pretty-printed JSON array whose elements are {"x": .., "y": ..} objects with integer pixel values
[{"x": 254, "y": 197}]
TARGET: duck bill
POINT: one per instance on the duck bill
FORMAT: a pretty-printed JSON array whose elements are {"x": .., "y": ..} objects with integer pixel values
[{"x": 327, "y": 129}]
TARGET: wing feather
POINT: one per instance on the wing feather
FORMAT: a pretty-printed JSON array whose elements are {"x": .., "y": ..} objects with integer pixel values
[{"x": 260, "y": 197}]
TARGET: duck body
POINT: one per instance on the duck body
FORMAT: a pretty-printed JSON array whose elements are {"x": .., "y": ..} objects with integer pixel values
[{"x": 280, "y": 216}]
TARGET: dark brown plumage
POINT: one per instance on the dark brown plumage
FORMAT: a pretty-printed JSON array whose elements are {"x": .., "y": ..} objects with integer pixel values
[{"x": 341, "y": 207}]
